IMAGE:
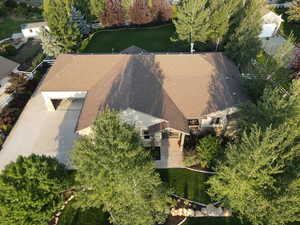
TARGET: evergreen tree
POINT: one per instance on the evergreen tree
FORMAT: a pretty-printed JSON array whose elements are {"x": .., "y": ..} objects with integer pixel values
[
  {"x": 191, "y": 21},
  {"x": 294, "y": 11},
  {"x": 274, "y": 108},
  {"x": 113, "y": 14},
  {"x": 260, "y": 179},
  {"x": 140, "y": 13},
  {"x": 57, "y": 15},
  {"x": 244, "y": 44},
  {"x": 31, "y": 190},
  {"x": 51, "y": 46},
  {"x": 78, "y": 19},
  {"x": 97, "y": 7},
  {"x": 119, "y": 175}
]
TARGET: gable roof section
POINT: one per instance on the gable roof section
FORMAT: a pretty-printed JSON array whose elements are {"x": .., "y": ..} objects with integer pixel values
[
  {"x": 6, "y": 66},
  {"x": 173, "y": 87}
]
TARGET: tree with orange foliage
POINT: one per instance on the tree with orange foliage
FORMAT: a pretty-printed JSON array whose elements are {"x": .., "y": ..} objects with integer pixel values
[{"x": 113, "y": 13}]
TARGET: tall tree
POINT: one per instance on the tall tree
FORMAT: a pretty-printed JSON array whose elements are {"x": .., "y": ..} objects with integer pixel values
[
  {"x": 113, "y": 13},
  {"x": 31, "y": 190},
  {"x": 274, "y": 108},
  {"x": 244, "y": 43},
  {"x": 51, "y": 46},
  {"x": 97, "y": 7},
  {"x": 119, "y": 175},
  {"x": 57, "y": 15},
  {"x": 191, "y": 22},
  {"x": 161, "y": 10},
  {"x": 260, "y": 178},
  {"x": 2, "y": 8},
  {"x": 140, "y": 13},
  {"x": 219, "y": 19},
  {"x": 294, "y": 11}
]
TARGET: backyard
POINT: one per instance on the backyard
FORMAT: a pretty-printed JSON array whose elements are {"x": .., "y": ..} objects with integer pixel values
[
  {"x": 10, "y": 25},
  {"x": 152, "y": 39},
  {"x": 185, "y": 183}
]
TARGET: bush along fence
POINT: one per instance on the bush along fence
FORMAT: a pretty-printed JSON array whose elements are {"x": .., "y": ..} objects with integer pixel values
[{"x": 22, "y": 87}]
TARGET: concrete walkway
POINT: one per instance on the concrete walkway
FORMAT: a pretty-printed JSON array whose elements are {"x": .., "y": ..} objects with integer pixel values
[
  {"x": 170, "y": 154},
  {"x": 41, "y": 132}
]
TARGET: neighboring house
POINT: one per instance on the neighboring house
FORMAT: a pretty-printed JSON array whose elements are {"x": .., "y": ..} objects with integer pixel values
[
  {"x": 31, "y": 30},
  {"x": 166, "y": 96},
  {"x": 6, "y": 67},
  {"x": 270, "y": 23}
]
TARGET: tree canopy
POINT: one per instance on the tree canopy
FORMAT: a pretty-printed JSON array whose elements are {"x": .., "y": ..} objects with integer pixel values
[
  {"x": 294, "y": 11},
  {"x": 31, "y": 190},
  {"x": 244, "y": 43},
  {"x": 191, "y": 21},
  {"x": 119, "y": 175},
  {"x": 260, "y": 178}
]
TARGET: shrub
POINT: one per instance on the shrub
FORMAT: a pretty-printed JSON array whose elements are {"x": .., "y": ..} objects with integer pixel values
[
  {"x": 209, "y": 151},
  {"x": 7, "y": 49}
]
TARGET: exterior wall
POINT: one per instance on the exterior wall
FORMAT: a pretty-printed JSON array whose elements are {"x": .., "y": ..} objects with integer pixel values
[
  {"x": 48, "y": 95},
  {"x": 272, "y": 18},
  {"x": 32, "y": 32}
]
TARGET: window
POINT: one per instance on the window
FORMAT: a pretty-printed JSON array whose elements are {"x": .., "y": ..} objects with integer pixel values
[
  {"x": 31, "y": 30},
  {"x": 146, "y": 134},
  {"x": 193, "y": 122}
]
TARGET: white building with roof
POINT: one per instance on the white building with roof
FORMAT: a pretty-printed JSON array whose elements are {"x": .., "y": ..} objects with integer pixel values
[{"x": 31, "y": 30}]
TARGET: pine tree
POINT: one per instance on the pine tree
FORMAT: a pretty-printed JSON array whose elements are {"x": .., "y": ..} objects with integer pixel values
[
  {"x": 119, "y": 175},
  {"x": 294, "y": 11},
  {"x": 140, "y": 13},
  {"x": 191, "y": 22},
  {"x": 113, "y": 14},
  {"x": 31, "y": 190},
  {"x": 51, "y": 46},
  {"x": 244, "y": 44},
  {"x": 78, "y": 19},
  {"x": 57, "y": 15},
  {"x": 260, "y": 178}
]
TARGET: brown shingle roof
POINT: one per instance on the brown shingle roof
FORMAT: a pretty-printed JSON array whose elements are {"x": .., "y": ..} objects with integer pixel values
[{"x": 168, "y": 86}]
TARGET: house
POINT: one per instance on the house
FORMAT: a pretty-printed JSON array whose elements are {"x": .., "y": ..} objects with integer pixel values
[
  {"x": 31, "y": 30},
  {"x": 270, "y": 23},
  {"x": 6, "y": 67},
  {"x": 166, "y": 96}
]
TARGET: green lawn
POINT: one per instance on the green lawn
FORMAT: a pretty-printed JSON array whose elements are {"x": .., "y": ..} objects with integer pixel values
[
  {"x": 72, "y": 216},
  {"x": 8, "y": 26},
  {"x": 187, "y": 183},
  {"x": 150, "y": 39}
]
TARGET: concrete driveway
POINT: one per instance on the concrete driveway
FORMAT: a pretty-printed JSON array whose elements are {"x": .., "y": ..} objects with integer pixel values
[{"x": 41, "y": 132}]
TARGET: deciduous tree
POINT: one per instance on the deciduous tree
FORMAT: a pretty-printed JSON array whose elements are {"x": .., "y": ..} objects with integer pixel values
[
  {"x": 191, "y": 21},
  {"x": 97, "y": 7},
  {"x": 31, "y": 190},
  {"x": 260, "y": 178},
  {"x": 113, "y": 13},
  {"x": 140, "y": 13},
  {"x": 119, "y": 175},
  {"x": 161, "y": 10}
]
